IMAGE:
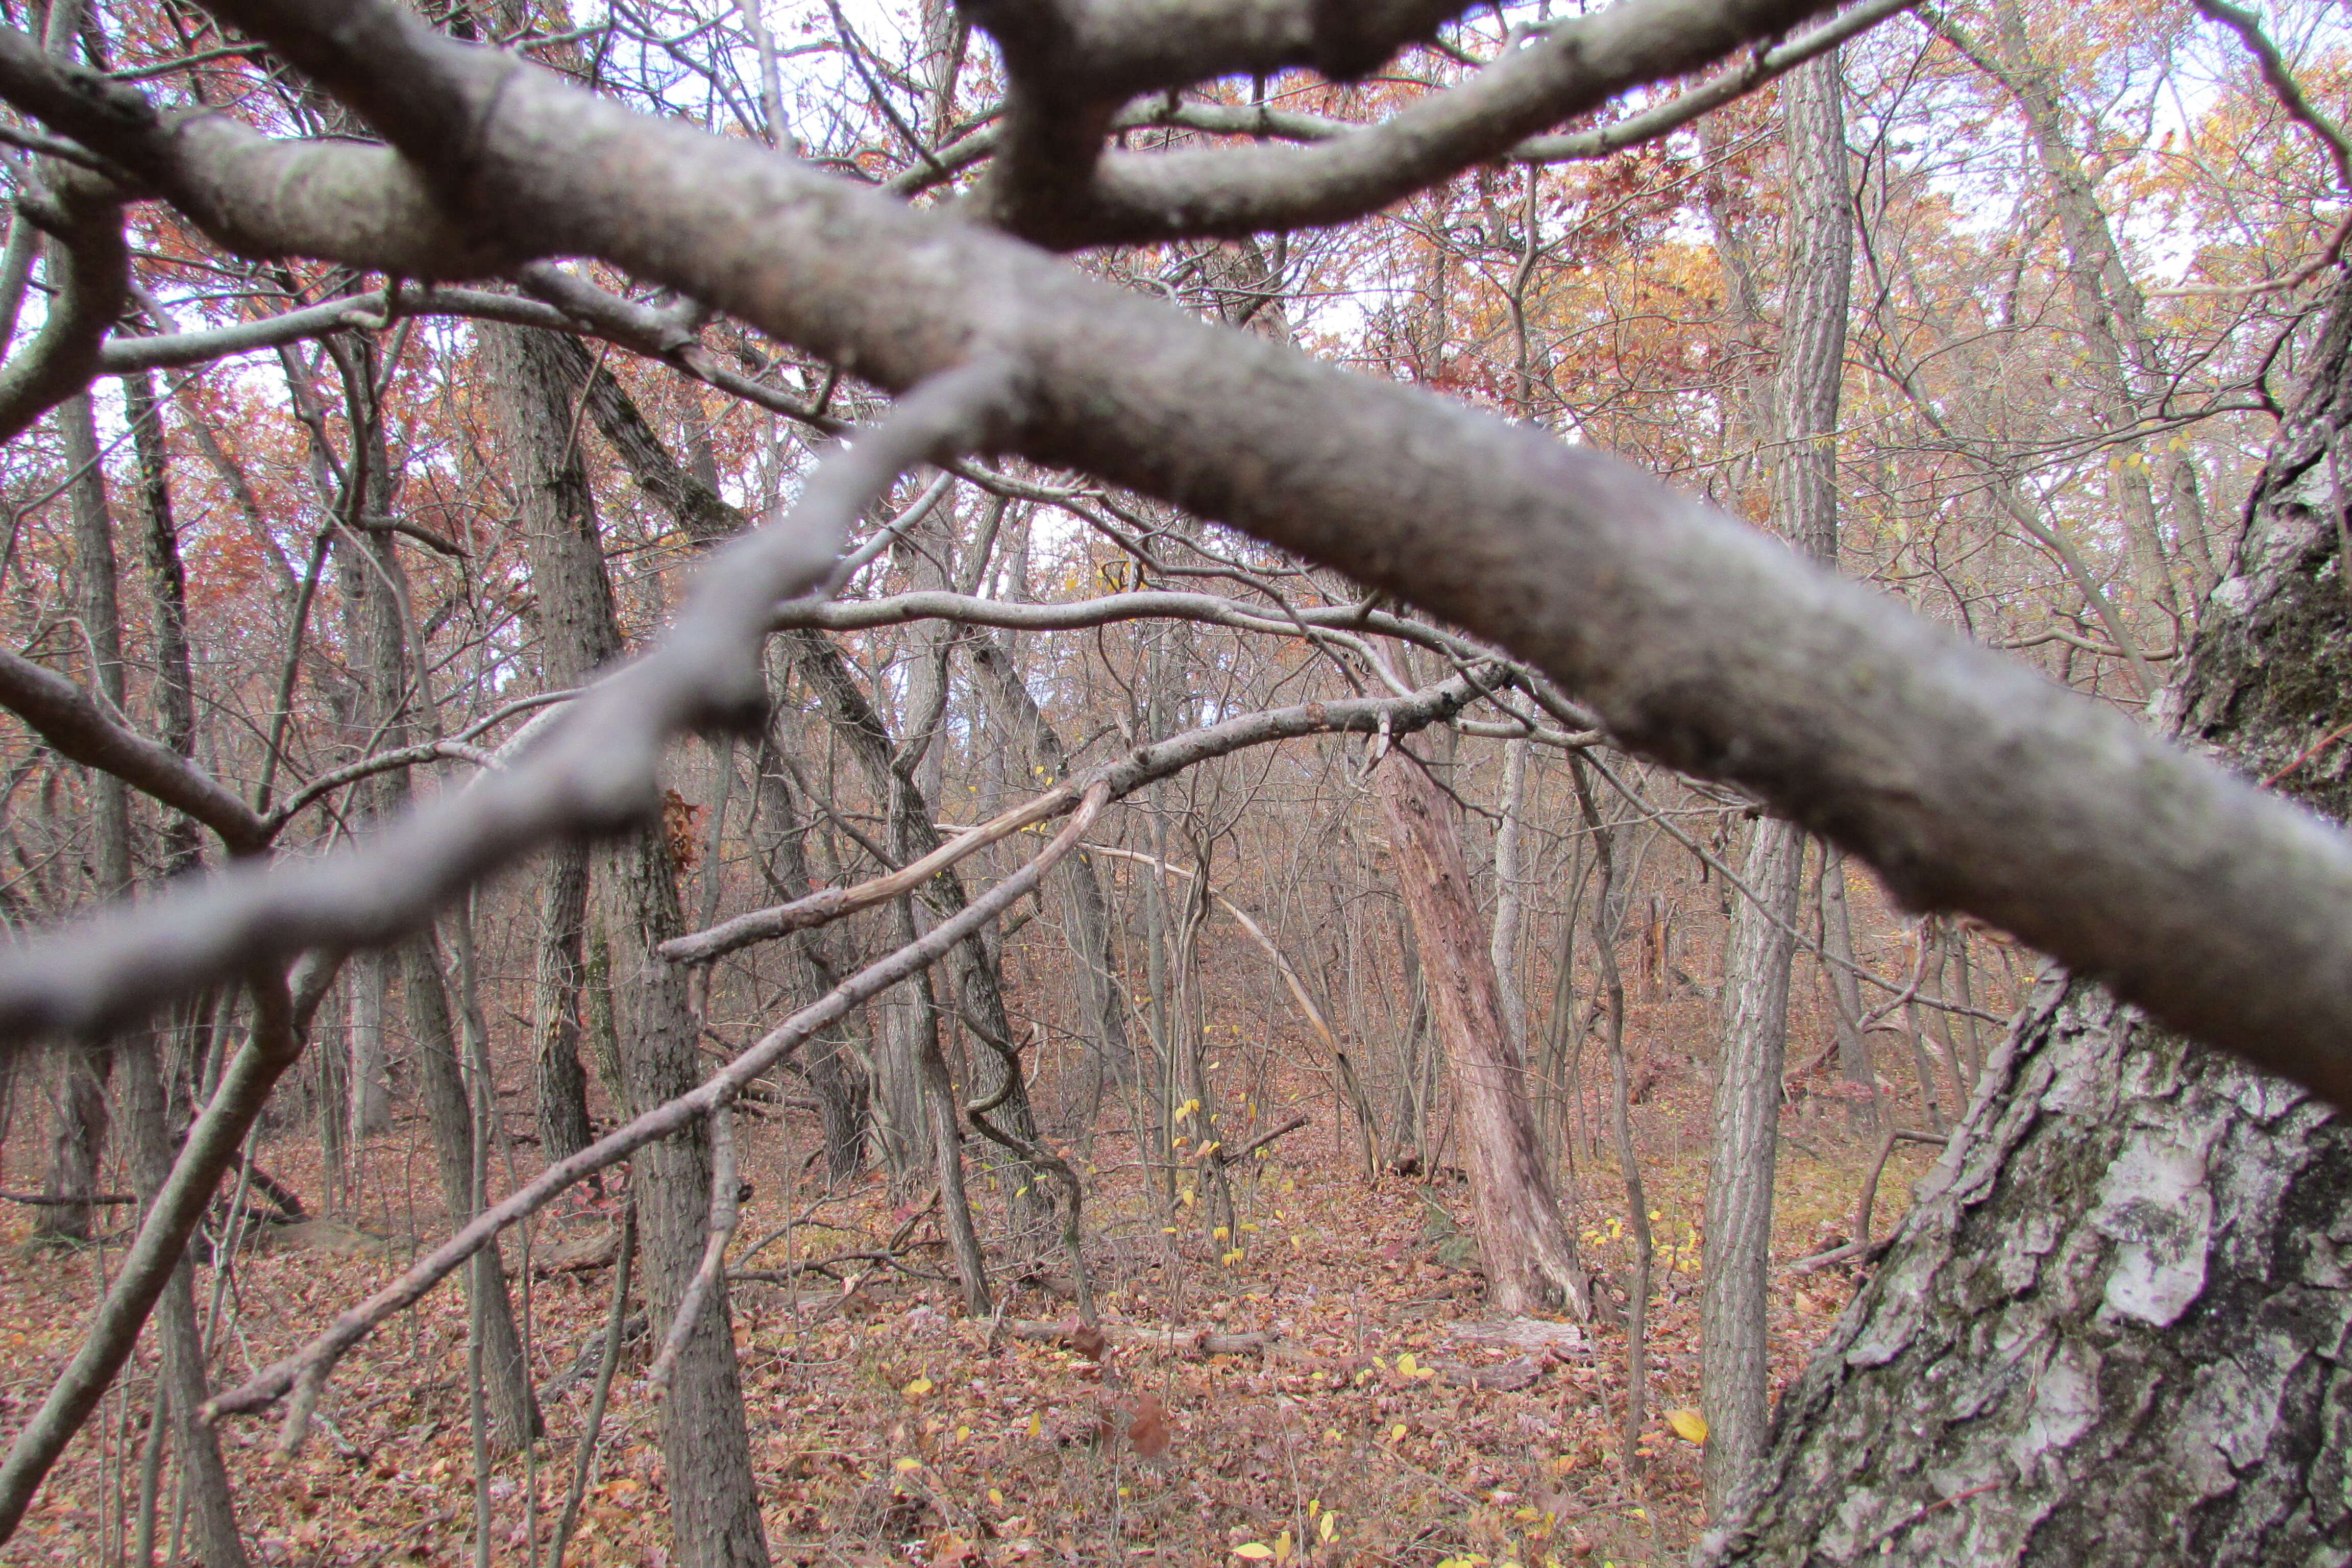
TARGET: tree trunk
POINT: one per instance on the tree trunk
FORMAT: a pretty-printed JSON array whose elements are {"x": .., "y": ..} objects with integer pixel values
[
  {"x": 1087, "y": 912},
  {"x": 1531, "y": 1261},
  {"x": 706, "y": 1445},
  {"x": 147, "y": 1109},
  {"x": 1737, "y": 1232},
  {"x": 212, "y": 1507},
  {"x": 2109, "y": 1330},
  {"x": 77, "y": 1108},
  {"x": 563, "y": 1083},
  {"x": 449, "y": 1111},
  {"x": 1505, "y": 946},
  {"x": 1738, "y": 1238},
  {"x": 837, "y": 1072},
  {"x": 376, "y": 586},
  {"x": 1845, "y": 994}
]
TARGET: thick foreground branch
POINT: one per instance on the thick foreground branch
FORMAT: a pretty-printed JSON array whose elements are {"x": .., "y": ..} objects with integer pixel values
[
  {"x": 592, "y": 775},
  {"x": 1968, "y": 781}
]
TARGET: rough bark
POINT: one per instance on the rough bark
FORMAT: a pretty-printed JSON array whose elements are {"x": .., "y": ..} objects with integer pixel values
[
  {"x": 77, "y": 1102},
  {"x": 1086, "y": 911},
  {"x": 1757, "y": 953},
  {"x": 1738, "y": 1233},
  {"x": 1530, "y": 1253},
  {"x": 563, "y": 1083},
  {"x": 2110, "y": 1330},
  {"x": 1845, "y": 992},
  {"x": 706, "y": 1445}
]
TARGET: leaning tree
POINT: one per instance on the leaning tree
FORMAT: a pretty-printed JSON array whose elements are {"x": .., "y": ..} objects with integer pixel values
[{"x": 2084, "y": 1238}]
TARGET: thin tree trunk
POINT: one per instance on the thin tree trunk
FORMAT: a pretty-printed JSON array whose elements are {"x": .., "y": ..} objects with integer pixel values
[
  {"x": 706, "y": 1444},
  {"x": 1737, "y": 1231},
  {"x": 1629, "y": 1162},
  {"x": 146, "y": 1093},
  {"x": 1531, "y": 1261},
  {"x": 1086, "y": 912},
  {"x": 1505, "y": 948},
  {"x": 1865, "y": 1107},
  {"x": 1738, "y": 1237},
  {"x": 449, "y": 1112},
  {"x": 841, "y": 1079},
  {"x": 77, "y": 1102}
]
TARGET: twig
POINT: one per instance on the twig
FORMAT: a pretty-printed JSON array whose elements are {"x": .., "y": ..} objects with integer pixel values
[
  {"x": 211, "y": 1144},
  {"x": 593, "y": 774},
  {"x": 726, "y": 1213},
  {"x": 584, "y": 1463},
  {"x": 303, "y": 1372}
]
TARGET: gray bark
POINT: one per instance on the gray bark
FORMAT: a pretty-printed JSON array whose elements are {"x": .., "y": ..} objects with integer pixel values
[
  {"x": 1845, "y": 992},
  {"x": 78, "y": 1104},
  {"x": 2110, "y": 1330},
  {"x": 203, "y": 1480},
  {"x": 146, "y": 1088},
  {"x": 840, "y": 1077},
  {"x": 1086, "y": 910},
  {"x": 1738, "y": 1234},
  {"x": 1757, "y": 953},
  {"x": 1505, "y": 946},
  {"x": 706, "y": 1444}
]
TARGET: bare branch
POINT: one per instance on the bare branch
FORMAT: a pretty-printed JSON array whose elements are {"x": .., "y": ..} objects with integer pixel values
[
  {"x": 90, "y": 272},
  {"x": 1570, "y": 69},
  {"x": 1119, "y": 779},
  {"x": 1966, "y": 779},
  {"x": 309, "y": 1367},
  {"x": 66, "y": 717},
  {"x": 592, "y": 775},
  {"x": 1261, "y": 120},
  {"x": 211, "y": 1143}
]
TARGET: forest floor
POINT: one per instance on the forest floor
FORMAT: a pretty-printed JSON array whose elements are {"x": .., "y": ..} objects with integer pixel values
[{"x": 1364, "y": 1427}]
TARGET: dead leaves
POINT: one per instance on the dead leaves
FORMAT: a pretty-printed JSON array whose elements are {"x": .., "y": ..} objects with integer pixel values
[{"x": 1146, "y": 1431}]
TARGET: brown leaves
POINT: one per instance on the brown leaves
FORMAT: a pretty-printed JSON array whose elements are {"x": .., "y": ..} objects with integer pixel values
[{"x": 1147, "y": 1432}]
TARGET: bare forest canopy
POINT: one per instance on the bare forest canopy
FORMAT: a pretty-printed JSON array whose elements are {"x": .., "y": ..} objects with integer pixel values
[{"x": 1078, "y": 606}]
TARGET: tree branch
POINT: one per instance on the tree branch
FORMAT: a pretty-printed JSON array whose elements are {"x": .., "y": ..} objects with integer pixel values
[{"x": 592, "y": 775}]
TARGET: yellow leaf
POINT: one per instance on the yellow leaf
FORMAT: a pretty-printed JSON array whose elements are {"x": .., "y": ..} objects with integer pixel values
[
  {"x": 1222, "y": 1233},
  {"x": 963, "y": 1434},
  {"x": 1282, "y": 1547},
  {"x": 1036, "y": 1425},
  {"x": 910, "y": 1464},
  {"x": 1407, "y": 1366},
  {"x": 996, "y": 1497},
  {"x": 1397, "y": 1432},
  {"x": 1255, "y": 1551},
  {"x": 918, "y": 1388},
  {"x": 1331, "y": 1525},
  {"x": 1688, "y": 1425}
]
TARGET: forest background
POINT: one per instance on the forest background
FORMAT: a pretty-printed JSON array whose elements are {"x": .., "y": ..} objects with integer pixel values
[{"x": 350, "y": 566}]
